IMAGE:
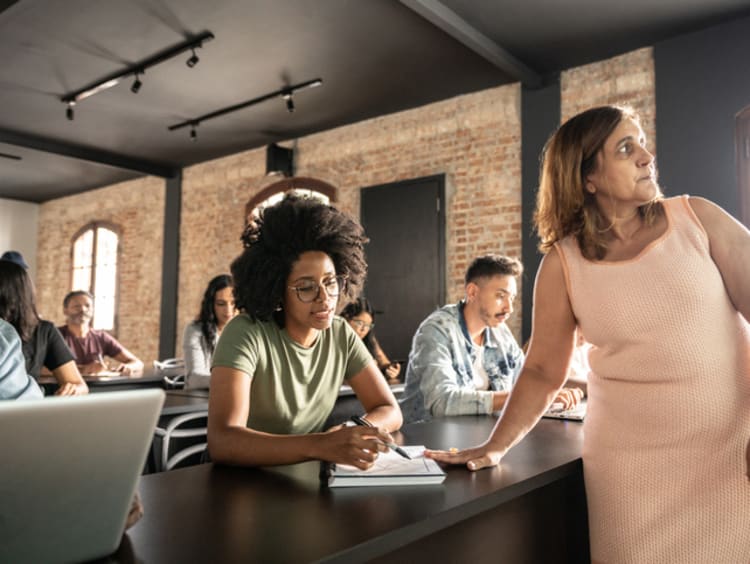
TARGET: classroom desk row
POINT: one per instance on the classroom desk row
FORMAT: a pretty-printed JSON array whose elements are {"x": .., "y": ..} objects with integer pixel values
[{"x": 530, "y": 509}]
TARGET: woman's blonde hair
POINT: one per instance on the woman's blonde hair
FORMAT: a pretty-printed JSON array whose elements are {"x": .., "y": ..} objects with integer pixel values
[{"x": 563, "y": 206}]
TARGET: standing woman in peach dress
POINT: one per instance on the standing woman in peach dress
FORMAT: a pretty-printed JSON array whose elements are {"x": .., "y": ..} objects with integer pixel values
[{"x": 660, "y": 287}]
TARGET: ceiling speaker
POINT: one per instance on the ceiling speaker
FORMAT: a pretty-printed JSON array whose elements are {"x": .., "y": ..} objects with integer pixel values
[{"x": 279, "y": 160}]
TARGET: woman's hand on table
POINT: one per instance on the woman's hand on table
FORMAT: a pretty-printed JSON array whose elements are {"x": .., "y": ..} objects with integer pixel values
[
  {"x": 72, "y": 389},
  {"x": 475, "y": 458}
]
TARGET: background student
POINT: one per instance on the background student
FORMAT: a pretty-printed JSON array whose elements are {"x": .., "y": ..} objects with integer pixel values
[
  {"x": 201, "y": 336},
  {"x": 661, "y": 290},
  {"x": 279, "y": 365},
  {"x": 464, "y": 360},
  {"x": 43, "y": 347},
  {"x": 15, "y": 383},
  {"x": 361, "y": 316},
  {"x": 89, "y": 345}
]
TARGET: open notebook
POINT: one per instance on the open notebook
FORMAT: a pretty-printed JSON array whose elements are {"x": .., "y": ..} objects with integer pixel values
[
  {"x": 390, "y": 469},
  {"x": 575, "y": 414}
]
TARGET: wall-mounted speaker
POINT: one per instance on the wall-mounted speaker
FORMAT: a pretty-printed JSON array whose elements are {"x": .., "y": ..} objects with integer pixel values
[{"x": 279, "y": 160}]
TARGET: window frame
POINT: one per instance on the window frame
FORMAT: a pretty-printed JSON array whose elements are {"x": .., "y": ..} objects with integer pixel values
[
  {"x": 287, "y": 184},
  {"x": 95, "y": 225}
]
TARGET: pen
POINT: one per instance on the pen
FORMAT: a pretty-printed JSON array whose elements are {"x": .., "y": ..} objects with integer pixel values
[{"x": 365, "y": 423}]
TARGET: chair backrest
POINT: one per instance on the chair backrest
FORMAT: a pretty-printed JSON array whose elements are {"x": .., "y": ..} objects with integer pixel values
[
  {"x": 173, "y": 370},
  {"x": 182, "y": 438}
]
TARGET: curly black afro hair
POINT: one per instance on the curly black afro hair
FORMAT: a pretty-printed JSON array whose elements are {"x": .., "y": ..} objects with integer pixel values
[{"x": 276, "y": 238}]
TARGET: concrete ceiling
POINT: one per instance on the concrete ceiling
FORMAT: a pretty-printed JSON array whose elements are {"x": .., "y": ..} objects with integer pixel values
[{"x": 374, "y": 56}]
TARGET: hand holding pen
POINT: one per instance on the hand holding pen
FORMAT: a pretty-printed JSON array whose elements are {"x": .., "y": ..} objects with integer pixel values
[{"x": 365, "y": 423}]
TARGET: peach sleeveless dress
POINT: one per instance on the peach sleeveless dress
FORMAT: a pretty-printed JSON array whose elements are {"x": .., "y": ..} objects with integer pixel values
[{"x": 669, "y": 401}]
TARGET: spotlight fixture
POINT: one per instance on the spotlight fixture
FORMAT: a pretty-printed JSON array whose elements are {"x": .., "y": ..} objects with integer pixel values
[
  {"x": 286, "y": 93},
  {"x": 136, "y": 84},
  {"x": 190, "y": 44},
  {"x": 69, "y": 111},
  {"x": 193, "y": 133},
  {"x": 289, "y": 102},
  {"x": 193, "y": 60}
]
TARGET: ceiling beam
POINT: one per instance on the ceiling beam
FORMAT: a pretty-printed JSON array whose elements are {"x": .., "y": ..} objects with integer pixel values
[
  {"x": 451, "y": 23},
  {"x": 86, "y": 154}
]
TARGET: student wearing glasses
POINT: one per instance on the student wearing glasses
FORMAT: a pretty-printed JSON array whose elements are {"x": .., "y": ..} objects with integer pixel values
[
  {"x": 279, "y": 365},
  {"x": 361, "y": 316}
]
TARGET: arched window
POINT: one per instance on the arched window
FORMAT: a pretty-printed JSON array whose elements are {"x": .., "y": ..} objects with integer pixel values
[
  {"x": 275, "y": 192},
  {"x": 95, "y": 270}
]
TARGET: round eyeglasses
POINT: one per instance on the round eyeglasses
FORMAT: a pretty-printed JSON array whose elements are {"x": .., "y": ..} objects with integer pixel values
[
  {"x": 359, "y": 324},
  {"x": 309, "y": 290}
]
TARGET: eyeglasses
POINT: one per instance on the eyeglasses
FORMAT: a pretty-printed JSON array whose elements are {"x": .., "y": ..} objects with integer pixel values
[
  {"x": 359, "y": 324},
  {"x": 309, "y": 291}
]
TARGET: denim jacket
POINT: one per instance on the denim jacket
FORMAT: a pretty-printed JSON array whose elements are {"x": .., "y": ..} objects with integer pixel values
[{"x": 440, "y": 374}]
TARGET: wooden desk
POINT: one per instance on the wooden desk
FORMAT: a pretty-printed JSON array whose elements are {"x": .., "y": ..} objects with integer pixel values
[
  {"x": 149, "y": 379},
  {"x": 177, "y": 402},
  {"x": 531, "y": 509}
]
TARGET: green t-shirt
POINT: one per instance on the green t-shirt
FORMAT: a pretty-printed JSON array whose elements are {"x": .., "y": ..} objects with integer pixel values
[{"x": 293, "y": 388}]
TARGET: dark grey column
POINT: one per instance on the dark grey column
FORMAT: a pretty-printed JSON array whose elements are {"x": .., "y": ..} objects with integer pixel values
[
  {"x": 170, "y": 275},
  {"x": 540, "y": 116},
  {"x": 702, "y": 83}
]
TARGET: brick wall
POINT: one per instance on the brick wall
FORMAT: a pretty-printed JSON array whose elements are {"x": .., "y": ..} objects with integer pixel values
[
  {"x": 137, "y": 209},
  {"x": 627, "y": 79},
  {"x": 475, "y": 140}
]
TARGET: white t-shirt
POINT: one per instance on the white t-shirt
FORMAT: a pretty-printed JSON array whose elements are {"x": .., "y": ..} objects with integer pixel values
[{"x": 481, "y": 381}]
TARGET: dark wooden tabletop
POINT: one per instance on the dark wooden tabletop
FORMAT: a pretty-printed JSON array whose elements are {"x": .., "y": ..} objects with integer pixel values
[{"x": 212, "y": 513}]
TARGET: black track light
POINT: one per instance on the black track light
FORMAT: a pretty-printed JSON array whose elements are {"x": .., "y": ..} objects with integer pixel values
[
  {"x": 289, "y": 102},
  {"x": 193, "y": 60},
  {"x": 193, "y": 133},
  {"x": 69, "y": 112},
  {"x": 286, "y": 93},
  {"x": 135, "y": 70},
  {"x": 136, "y": 84}
]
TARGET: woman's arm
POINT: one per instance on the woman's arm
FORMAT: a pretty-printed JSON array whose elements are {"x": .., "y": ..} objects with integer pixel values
[
  {"x": 391, "y": 370},
  {"x": 70, "y": 381},
  {"x": 729, "y": 241},
  {"x": 230, "y": 441},
  {"x": 197, "y": 364},
  {"x": 543, "y": 373},
  {"x": 381, "y": 406}
]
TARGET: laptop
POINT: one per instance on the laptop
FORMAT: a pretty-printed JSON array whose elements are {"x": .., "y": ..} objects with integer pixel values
[
  {"x": 576, "y": 413},
  {"x": 70, "y": 467}
]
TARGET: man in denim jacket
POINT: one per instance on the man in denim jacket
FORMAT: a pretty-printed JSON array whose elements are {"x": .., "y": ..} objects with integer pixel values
[{"x": 464, "y": 360}]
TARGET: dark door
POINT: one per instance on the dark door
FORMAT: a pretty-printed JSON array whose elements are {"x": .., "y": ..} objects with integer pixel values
[{"x": 405, "y": 222}]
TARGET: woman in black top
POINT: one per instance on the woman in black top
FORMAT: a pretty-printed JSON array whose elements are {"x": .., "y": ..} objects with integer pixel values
[
  {"x": 43, "y": 346},
  {"x": 361, "y": 316}
]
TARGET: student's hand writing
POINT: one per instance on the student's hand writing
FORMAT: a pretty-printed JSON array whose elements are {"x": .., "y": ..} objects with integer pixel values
[
  {"x": 128, "y": 370},
  {"x": 392, "y": 370},
  {"x": 357, "y": 446},
  {"x": 475, "y": 458}
]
